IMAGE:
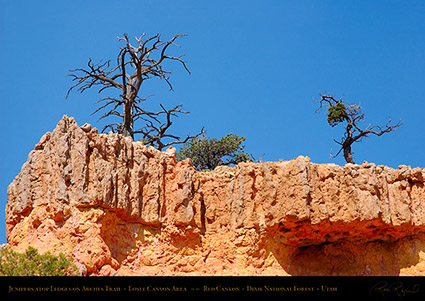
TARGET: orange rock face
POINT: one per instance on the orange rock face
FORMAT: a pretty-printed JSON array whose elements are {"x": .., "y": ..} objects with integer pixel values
[{"x": 120, "y": 207}]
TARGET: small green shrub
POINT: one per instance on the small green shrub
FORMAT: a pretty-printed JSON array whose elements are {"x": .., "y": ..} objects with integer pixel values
[
  {"x": 31, "y": 263},
  {"x": 208, "y": 153}
]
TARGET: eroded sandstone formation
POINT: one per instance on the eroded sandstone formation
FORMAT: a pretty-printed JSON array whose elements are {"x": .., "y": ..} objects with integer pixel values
[{"x": 120, "y": 207}]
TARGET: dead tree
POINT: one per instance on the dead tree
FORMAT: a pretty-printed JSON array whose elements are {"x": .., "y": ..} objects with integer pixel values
[
  {"x": 135, "y": 64},
  {"x": 352, "y": 114}
]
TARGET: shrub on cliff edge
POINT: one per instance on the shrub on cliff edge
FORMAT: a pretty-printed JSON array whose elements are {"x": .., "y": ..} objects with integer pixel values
[
  {"x": 208, "y": 153},
  {"x": 31, "y": 263}
]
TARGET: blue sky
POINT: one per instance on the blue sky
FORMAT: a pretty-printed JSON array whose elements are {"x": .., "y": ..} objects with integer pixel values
[{"x": 256, "y": 68}]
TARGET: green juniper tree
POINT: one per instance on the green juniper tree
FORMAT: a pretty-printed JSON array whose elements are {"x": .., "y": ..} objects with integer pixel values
[
  {"x": 351, "y": 114},
  {"x": 208, "y": 153}
]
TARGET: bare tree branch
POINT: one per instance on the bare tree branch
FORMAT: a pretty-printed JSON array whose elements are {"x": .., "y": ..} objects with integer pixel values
[{"x": 154, "y": 134}]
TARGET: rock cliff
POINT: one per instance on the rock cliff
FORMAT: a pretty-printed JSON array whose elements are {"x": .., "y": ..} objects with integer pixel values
[{"x": 120, "y": 207}]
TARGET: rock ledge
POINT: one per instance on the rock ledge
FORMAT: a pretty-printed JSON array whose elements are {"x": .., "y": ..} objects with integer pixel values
[{"x": 119, "y": 206}]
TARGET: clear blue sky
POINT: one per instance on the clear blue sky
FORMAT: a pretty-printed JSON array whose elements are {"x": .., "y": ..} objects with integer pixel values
[{"x": 256, "y": 67}]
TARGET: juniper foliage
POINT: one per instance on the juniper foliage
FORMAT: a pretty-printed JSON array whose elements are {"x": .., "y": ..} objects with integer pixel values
[
  {"x": 208, "y": 153},
  {"x": 31, "y": 263}
]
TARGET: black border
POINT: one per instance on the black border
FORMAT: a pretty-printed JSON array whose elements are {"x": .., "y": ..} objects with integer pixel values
[{"x": 285, "y": 287}]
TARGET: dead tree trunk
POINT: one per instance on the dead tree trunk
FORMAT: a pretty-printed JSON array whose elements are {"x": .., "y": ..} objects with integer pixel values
[{"x": 127, "y": 128}]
